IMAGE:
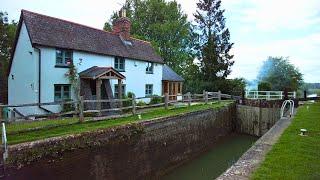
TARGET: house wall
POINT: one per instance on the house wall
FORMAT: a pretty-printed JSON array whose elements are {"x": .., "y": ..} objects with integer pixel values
[
  {"x": 23, "y": 88},
  {"x": 135, "y": 74},
  {"x": 22, "y": 80}
]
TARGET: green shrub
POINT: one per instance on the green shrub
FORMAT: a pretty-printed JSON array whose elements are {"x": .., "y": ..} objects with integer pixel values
[
  {"x": 264, "y": 86},
  {"x": 67, "y": 107},
  {"x": 128, "y": 102},
  {"x": 141, "y": 103},
  {"x": 156, "y": 99},
  {"x": 130, "y": 94}
]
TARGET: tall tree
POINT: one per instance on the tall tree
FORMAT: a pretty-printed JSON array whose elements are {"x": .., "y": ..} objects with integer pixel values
[
  {"x": 280, "y": 74},
  {"x": 165, "y": 25},
  {"x": 7, "y": 34},
  {"x": 213, "y": 40}
]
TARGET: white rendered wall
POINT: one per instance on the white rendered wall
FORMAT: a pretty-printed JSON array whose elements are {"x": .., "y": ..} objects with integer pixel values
[
  {"x": 22, "y": 80},
  {"x": 135, "y": 73},
  {"x": 24, "y": 87}
]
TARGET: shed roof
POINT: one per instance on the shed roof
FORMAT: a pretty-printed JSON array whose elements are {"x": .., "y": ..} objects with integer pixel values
[{"x": 169, "y": 75}]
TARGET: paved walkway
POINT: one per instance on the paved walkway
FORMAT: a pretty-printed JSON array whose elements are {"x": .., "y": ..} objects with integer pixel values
[{"x": 251, "y": 159}]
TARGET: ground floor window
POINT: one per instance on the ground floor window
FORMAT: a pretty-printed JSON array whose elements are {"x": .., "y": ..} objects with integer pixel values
[
  {"x": 62, "y": 92},
  {"x": 116, "y": 90},
  {"x": 149, "y": 89}
]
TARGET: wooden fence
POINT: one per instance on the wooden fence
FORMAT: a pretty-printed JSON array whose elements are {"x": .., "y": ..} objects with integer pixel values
[{"x": 80, "y": 110}]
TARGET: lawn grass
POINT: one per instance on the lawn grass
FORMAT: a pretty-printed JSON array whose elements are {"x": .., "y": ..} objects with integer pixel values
[
  {"x": 75, "y": 128},
  {"x": 295, "y": 156}
]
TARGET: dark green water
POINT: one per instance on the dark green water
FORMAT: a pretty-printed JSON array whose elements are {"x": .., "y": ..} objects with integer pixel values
[{"x": 214, "y": 162}]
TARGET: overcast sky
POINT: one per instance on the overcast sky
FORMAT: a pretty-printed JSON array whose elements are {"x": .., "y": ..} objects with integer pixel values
[{"x": 259, "y": 28}]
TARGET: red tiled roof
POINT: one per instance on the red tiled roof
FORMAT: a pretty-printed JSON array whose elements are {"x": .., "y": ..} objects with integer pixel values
[{"x": 49, "y": 31}]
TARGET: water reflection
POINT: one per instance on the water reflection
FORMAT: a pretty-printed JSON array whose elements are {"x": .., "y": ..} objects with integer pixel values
[{"x": 214, "y": 162}]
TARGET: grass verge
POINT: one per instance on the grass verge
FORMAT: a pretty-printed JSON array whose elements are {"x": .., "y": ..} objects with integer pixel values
[
  {"x": 295, "y": 156},
  {"x": 70, "y": 126}
]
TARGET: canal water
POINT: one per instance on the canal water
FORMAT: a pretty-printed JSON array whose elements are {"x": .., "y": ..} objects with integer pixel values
[
  {"x": 214, "y": 162},
  {"x": 108, "y": 163}
]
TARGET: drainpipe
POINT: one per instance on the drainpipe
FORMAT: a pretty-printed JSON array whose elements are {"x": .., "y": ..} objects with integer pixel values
[{"x": 39, "y": 82}]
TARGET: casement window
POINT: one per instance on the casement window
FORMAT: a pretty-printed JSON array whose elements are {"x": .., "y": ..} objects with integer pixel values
[
  {"x": 62, "y": 92},
  {"x": 63, "y": 57},
  {"x": 149, "y": 68},
  {"x": 116, "y": 91},
  {"x": 119, "y": 64},
  {"x": 149, "y": 89}
]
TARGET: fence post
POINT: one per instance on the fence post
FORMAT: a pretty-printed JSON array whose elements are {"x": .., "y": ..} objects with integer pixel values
[
  {"x": 205, "y": 96},
  {"x": 189, "y": 99},
  {"x": 305, "y": 94},
  {"x": 133, "y": 104},
  {"x": 81, "y": 108},
  {"x": 219, "y": 95},
  {"x": 166, "y": 100}
]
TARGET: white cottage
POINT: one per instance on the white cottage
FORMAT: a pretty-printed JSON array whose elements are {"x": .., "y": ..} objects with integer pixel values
[{"x": 46, "y": 46}]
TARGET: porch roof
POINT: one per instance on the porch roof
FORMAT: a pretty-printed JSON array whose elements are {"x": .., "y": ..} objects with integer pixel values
[
  {"x": 96, "y": 72},
  {"x": 169, "y": 75}
]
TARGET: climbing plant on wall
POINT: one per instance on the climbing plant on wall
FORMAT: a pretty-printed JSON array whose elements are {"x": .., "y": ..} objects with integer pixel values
[{"x": 74, "y": 80}]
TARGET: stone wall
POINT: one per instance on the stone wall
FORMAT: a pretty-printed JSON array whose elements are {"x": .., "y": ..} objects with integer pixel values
[
  {"x": 256, "y": 120},
  {"x": 256, "y": 117},
  {"x": 139, "y": 151}
]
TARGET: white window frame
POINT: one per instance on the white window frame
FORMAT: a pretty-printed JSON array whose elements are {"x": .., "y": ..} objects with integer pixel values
[
  {"x": 148, "y": 90},
  {"x": 115, "y": 94},
  {"x": 61, "y": 92},
  {"x": 149, "y": 68},
  {"x": 65, "y": 60},
  {"x": 117, "y": 64}
]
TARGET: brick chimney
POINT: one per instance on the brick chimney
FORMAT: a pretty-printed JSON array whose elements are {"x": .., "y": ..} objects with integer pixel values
[{"x": 122, "y": 25}]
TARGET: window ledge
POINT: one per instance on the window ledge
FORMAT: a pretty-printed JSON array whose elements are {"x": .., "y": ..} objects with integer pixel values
[{"x": 62, "y": 66}]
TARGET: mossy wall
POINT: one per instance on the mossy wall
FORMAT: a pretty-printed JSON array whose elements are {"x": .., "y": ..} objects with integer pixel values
[{"x": 139, "y": 151}]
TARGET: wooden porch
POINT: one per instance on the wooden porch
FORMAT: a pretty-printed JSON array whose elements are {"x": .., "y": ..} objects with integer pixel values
[
  {"x": 95, "y": 85},
  {"x": 172, "y": 88}
]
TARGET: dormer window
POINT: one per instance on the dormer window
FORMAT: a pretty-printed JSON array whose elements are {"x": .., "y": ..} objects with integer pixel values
[
  {"x": 63, "y": 58},
  {"x": 119, "y": 64},
  {"x": 149, "y": 68}
]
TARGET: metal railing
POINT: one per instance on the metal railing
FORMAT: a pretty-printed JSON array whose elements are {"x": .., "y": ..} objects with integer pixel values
[
  {"x": 268, "y": 95},
  {"x": 291, "y": 108},
  {"x": 4, "y": 141}
]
